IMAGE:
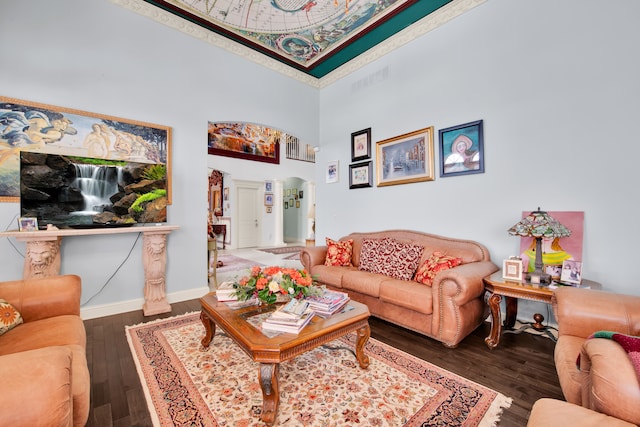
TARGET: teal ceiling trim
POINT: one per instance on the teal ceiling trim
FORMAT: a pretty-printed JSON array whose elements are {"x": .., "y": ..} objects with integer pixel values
[{"x": 395, "y": 24}]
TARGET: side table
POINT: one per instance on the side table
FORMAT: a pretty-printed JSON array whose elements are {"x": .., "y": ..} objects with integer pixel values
[{"x": 497, "y": 287}]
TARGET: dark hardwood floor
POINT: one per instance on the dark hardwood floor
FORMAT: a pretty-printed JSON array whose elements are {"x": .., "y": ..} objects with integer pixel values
[{"x": 521, "y": 367}]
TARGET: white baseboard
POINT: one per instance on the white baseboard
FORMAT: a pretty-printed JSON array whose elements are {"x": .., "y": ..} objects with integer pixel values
[{"x": 136, "y": 304}]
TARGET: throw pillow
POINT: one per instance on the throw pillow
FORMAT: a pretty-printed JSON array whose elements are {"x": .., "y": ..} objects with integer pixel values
[
  {"x": 338, "y": 252},
  {"x": 9, "y": 317},
  {"x": 369, "y": 255},
  {"x": 436, "y": 263},
  {"x": 390, "y": 257}
]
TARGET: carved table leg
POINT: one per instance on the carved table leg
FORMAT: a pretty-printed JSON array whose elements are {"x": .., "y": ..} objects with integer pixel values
[
  {"x": 512, "y": 312},
  {"x": 268, "y": 377},
  {"x": 363, "y": 337},
  {"x": 493, "y": 339},
  {"x": 209, "y": 328}
]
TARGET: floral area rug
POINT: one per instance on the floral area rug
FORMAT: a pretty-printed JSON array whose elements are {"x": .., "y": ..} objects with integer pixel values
[
  {"x": 234, "y": 263},
  {"x": 186, "y": 385}
]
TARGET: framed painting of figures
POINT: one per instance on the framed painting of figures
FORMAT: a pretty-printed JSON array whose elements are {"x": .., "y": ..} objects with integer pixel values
[{"x": 37, "y": 127}]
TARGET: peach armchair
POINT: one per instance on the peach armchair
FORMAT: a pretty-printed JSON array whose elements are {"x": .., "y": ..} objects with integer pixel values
[
  {"x": 606, "y": 380},
  {"x": 43, "y": 362}
]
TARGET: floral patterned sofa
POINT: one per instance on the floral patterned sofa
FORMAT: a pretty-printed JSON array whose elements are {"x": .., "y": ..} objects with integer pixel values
[{"x": 423, "y": 282}]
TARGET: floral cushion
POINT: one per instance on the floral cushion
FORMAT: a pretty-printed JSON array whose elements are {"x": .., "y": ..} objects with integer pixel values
[
  {"x": 390, "y": 257},
  {"x": 9, "y": 317},
  {"x": 436, "y": 263},
  {"x": 338, "y": 253}
]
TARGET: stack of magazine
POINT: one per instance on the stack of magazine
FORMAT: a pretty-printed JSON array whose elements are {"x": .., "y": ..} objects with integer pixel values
[
  {"x": 291, "y": 317},
  {"x": 328, "y": 303}
]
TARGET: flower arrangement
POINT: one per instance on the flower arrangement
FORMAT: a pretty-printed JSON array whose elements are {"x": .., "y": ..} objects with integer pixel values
[{"x": 269, "y": 282}]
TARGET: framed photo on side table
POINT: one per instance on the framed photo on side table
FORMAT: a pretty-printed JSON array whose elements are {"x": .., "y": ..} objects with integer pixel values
[
  {"x": 462, "y": 149},
  {"x": 571, "y": 272},
  {"x": 512, "y": 269},
  {"x": 360, "y": 175},
  {"x": 361, "y": 145}
]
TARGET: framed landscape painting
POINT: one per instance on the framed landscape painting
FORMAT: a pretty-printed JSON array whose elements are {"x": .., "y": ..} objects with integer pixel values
[
  {"x": 44, "y": 128},
  {"x": 406, "y": 158}
]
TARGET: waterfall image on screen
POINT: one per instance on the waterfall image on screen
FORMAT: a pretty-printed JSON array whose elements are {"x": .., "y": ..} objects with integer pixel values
[{"x": 80, "y": 192}]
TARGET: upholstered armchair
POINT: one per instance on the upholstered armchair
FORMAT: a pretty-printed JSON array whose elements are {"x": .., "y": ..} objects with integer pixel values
[
  {"x": 606, "y": 381},
  {"x": 43, "y": 362}
]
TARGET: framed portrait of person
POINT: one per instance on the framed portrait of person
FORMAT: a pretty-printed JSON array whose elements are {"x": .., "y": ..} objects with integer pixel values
[
  {"x": 462, "y": 149},
  {"x": 571, "y": 272}
]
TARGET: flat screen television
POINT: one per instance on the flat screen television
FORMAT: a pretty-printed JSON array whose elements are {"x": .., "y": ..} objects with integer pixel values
[{"x": 86, "y": 192}]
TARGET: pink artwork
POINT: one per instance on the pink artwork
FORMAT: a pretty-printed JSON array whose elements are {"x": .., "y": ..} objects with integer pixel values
[{"x": 563, "y": 248}]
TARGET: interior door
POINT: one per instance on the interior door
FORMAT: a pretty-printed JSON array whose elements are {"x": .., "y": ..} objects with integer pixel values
[{"x": 249, "y": 227}]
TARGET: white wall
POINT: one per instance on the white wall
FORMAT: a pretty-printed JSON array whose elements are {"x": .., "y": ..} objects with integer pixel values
[
  {"x": 557, "y": 86},
  {"x": 555, "y": 83},
  {"x": 95, "y": 56}
]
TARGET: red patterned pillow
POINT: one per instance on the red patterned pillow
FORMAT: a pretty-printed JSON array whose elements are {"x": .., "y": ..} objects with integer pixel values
[
  {"x": 436, "y": 263},
  {"x": 338, "y": 253},
  {"x": 390, "y": 257}
]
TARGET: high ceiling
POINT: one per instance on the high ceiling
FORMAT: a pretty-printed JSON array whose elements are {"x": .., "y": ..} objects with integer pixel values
[{"x": 312, "y": 37}]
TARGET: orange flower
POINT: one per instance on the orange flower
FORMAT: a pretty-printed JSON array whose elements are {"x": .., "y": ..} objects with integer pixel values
[{"x": 261, "y": 283}]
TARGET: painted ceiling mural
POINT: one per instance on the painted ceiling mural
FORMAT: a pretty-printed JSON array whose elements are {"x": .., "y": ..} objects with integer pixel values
[{"x": 304, "y": 33}]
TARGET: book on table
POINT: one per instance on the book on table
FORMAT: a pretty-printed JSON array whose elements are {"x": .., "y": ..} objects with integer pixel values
[
  {"x": 291, "y": 317},
  {"x": 328, "y": 303}
]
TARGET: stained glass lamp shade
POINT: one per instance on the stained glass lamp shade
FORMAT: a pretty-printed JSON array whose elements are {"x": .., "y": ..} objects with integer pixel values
[{"x": 539, "y": 225}]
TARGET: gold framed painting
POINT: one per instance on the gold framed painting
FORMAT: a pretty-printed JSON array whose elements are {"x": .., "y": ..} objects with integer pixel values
[
  {"x": 43, "y": 128},
  {"x": 406, "y": 158}
]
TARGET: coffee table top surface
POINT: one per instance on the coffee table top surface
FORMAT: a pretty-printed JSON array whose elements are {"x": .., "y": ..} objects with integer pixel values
[{"x": 261, "y": 347}]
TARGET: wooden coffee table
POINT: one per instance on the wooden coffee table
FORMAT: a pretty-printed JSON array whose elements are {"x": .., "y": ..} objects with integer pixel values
[{"x": 269, "y": 352}]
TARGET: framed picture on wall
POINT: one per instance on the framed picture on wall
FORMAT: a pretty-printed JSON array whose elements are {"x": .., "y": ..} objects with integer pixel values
[
  {"x": 361, "y": 145},
  {"x": 332, "y": 171},
  {"x": 268, "y": 199},
  {"x": 360, "y": 175},
  {"x": 406, "y": 158},
  {"x": 268, "y": 186},
  {"x": 462, "y": 149}
]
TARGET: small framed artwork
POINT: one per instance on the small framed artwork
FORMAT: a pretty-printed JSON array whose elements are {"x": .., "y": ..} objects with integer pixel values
[
  {"x": 300, "y": 193},
  {"x": 462, "y": 149},
  {"x": 268, "y": 186},
  {"x": 512, "y": 269},
  {"x": 268, "y": 199},
  {"x": 332, "y": 171},
  {"x": 297, "y": 204},
  {"x": 291, "y": 202},
  {"x": 28, "y": 223},
  {"x": 360, "y": 175},
  {"x": 361, "y": 145},
  {"x": 226, "y": 193},
  {"x": 571, "y": 272},
  {"x": 406, "y": 158},
  {"x": 553, "y": 270},
  {"x": 269, "y": 209},
  {"x": 286, "y": 205}
]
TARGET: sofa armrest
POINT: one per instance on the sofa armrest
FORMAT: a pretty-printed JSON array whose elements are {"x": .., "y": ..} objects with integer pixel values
[
  {"x": 610, "y": 384},
  {"x": 37, "y": 299},
  {"x": 311, "y": 256},
  {"x": 552, "y": 413},
  {"x": 37, "y": 387},
  {"x": 581, "y": 312},
  {"x": 464, "y": 282}
]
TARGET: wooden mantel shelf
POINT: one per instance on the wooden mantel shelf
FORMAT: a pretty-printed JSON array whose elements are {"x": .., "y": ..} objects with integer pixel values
[
  {"x": 42, "y": 257},
  {"x": 43, "y": 234}
]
